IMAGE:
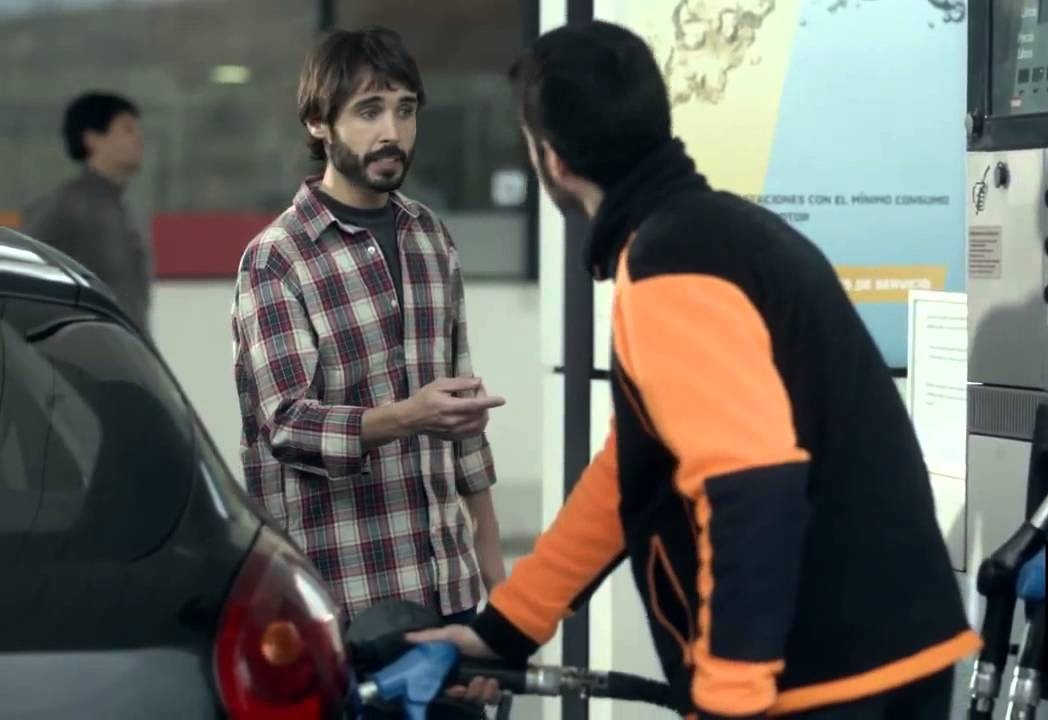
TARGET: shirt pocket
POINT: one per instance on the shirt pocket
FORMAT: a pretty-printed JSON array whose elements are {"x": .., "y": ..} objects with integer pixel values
[{"x": 355, "y": 326}]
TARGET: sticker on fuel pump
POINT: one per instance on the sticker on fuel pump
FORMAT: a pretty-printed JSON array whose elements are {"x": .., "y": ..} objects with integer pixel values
[{"x": 984, "y": 252}]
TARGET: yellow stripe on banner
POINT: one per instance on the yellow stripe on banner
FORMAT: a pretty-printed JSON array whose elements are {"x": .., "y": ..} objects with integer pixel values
[
  {"x": 725, "y": 68},
  {"x": 889, "y": 283}
]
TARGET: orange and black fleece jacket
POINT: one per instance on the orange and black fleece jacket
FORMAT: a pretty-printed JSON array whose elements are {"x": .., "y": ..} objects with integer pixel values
[{"x": 761, "y": 473}]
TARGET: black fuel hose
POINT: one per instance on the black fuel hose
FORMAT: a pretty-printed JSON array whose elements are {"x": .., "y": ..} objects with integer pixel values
[
  {"x": 554, "y": 681},
  {"x": 623, "y": 686}
]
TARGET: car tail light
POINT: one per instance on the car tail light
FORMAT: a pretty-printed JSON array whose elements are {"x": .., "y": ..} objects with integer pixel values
[{"x": 279, "y": 652}]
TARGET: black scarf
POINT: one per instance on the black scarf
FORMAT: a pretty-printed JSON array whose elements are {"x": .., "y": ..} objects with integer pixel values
[{"x": 666, "y": 171}]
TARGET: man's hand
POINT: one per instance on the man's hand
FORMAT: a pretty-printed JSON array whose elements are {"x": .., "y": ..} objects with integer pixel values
[
  {"x": 480, "y": 690},
  {"x": 439, "y": 409},
  {"x": 482, "y": 393}
]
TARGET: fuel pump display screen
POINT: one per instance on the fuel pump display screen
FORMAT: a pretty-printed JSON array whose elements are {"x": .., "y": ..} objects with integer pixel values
[{"x": 1020, "y": 57}]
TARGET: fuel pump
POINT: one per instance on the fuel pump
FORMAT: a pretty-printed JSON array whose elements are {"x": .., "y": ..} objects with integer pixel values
[{"x": 1007, "y": 285}]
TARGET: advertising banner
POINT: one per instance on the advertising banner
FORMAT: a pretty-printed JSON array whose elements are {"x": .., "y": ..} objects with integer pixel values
[{"x": 846, "y": 117}]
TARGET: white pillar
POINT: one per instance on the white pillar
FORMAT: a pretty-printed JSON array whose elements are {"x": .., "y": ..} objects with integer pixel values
[{"x": 619, "y": 636}]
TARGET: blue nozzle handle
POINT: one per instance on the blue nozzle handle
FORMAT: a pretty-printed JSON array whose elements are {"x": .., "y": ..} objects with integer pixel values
[
  {"x": 1030, "y": 584},
  {"x": 417, "y": 677}
]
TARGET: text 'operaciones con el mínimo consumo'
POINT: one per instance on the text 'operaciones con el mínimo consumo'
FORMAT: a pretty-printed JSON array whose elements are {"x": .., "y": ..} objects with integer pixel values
[{"x": 796, "y": 208}]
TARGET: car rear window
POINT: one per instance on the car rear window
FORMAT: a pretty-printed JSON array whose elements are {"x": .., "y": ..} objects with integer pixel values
[{"x": 97, "y": 454}]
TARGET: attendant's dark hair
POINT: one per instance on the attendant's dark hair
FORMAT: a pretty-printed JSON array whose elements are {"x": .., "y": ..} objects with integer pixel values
[{"x": 595, "y": 93}]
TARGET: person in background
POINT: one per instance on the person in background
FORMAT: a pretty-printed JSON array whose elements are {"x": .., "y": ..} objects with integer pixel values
[
  {"x": 86, "y": 217},
  {"x": 761, "y": 476},
  {"x": 363, "y": 422}
]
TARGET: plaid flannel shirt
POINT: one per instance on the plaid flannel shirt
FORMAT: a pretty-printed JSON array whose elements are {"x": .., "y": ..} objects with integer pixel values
[{"x": 319, "y": 337}]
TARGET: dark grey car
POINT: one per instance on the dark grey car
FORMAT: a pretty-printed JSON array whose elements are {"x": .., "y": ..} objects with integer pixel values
[{"x": 137, "y": 580}]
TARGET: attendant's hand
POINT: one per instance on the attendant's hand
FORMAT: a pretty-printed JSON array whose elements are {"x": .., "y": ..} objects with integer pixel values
[{"x": 480, "y": 690}]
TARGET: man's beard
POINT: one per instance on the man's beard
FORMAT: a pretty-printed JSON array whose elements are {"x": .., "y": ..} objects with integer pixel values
[
  {"x": 564, "y": 200},
  {"x": 354, "y": 167}
]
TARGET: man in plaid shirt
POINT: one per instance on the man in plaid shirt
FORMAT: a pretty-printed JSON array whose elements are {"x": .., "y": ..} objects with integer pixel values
[{"x": 363, "y": 424}]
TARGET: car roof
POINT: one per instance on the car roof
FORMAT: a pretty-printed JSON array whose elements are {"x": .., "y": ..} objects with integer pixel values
[{"x": 30, "y": 268}]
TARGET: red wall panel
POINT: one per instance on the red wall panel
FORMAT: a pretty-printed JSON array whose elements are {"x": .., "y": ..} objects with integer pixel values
[{"x": 202, "y": 245}]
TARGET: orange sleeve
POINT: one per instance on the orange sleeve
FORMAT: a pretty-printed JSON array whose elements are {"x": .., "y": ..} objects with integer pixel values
[
  {"x": 701, "y": 357},
  {"x": 582, "y": 545}
]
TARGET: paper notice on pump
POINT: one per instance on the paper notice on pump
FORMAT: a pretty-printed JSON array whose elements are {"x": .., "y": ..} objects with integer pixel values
[
  {"x": 937, "y": 395},
  {"x": 938, "y": 378}
]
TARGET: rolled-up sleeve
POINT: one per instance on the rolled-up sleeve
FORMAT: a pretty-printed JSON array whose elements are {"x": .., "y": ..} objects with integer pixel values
[
  {"x": 475, "y": 469},
  {"x": 281, "y": 351}
]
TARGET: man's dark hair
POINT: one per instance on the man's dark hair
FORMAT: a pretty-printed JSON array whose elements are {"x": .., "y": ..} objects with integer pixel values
[
  {"x": 594, "y": 92},
  {"x": 92, "y": 111},
  {"x": 338, "y": 66}
]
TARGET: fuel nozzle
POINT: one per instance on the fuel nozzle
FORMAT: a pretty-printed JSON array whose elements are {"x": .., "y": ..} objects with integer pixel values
[
  {"x": 413, "y": 681},
  {"x": 999, "y": 581},
  {"x": 1027, "y": 682}
]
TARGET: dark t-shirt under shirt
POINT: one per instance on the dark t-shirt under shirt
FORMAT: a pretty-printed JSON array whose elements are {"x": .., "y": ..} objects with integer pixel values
[{"x": 382, "y": 226}]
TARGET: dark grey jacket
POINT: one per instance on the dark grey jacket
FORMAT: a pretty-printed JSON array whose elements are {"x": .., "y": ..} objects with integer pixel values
[{"x": 86, "y": 218}]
